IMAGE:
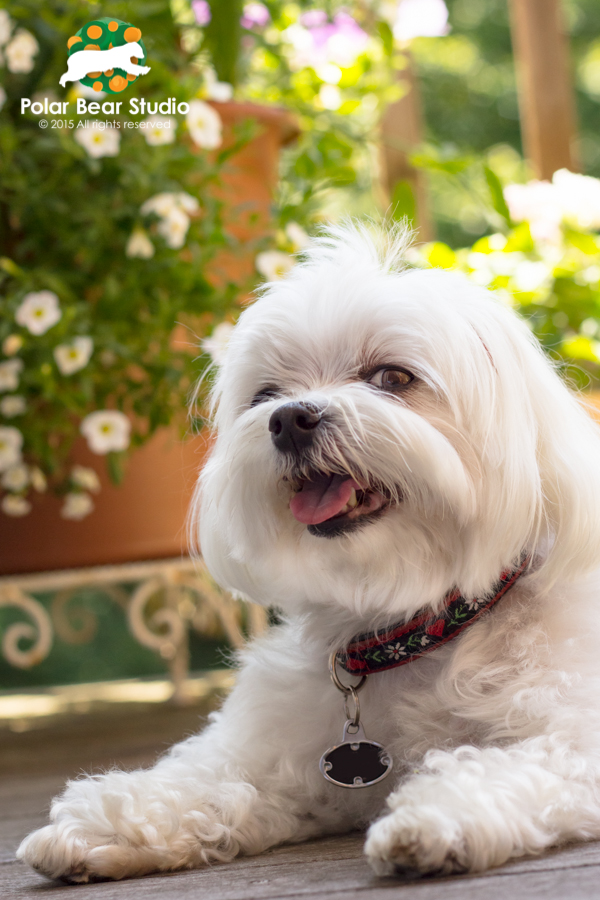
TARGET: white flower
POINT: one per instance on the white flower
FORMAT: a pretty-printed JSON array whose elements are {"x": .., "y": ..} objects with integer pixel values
[
  {"x": 174, "y": 228},
  {"x": 221, "y": 91},
  {"x": 537, "y": 203},
  {"x": 77, "y": 506},
  {"x": 85, "y": 478},
  {"x": 579, "y": 198},
  {"x": 5, "y": 27},
  {"x": 99, "y": 143},
  {"x": 186, "y": 202},
  {"x": 38, "y": 479},
  {"x": 273, "y": 264},
  {"x": 9, "y": 374},
  {"x": 139, "y": 245},
  {"x": 330, "y": 96},
  {"x": 161, "y": 204},
  {"x": 16, "y": 477},
  {"x": 204, "y": 125},
  {"x": 74, "y": 356},
  {"x": 106, "y": 430},
  {"x": 15, "y": 505},
  {"x": 13, "y": 405},
  {"x": 531, "y": 276},
  {"x": 160, "y": 130},
  {"x": 164, "y": 204},
  {"x": 2, "y": 93},
  {"x": 216, "y": 344},
  {"x": 421, "y": 18},
  {"x": 12, "y": 344},
  {"x": 21, "y": 51},
  {"x": 395, "y": 651},
  {"x": 174, "y": 209},
  {"x": 297, "y": 235},
  {"x": 11, "y": 441},
  {"x": 38, "y": 312}
]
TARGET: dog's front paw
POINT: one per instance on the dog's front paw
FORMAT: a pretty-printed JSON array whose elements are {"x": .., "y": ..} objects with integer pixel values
[
  {"x": 423, "y": 840},
  {"x": 73, "y": 856}
]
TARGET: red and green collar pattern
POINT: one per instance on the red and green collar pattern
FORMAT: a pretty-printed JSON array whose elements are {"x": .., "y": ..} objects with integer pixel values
[{"x": 401, "y": 644}]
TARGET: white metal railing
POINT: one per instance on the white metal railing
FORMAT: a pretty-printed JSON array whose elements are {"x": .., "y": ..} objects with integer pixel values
[{"x": 171, "y": 597}]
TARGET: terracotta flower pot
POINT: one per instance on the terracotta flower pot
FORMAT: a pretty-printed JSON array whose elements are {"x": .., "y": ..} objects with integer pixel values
[{"x": 144, "y": 518}]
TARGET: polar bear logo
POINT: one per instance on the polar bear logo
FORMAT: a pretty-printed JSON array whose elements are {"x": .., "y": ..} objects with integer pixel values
[
  {"x": 107, "y": 55},
  {"x": 84, "y": 62}
]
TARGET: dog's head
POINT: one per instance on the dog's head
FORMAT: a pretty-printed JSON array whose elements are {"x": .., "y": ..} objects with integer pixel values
[{"x": 384, "y": 435}]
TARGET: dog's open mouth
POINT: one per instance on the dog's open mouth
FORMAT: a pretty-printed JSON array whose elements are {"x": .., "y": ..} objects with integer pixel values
[{"x": 331, "y": 505}]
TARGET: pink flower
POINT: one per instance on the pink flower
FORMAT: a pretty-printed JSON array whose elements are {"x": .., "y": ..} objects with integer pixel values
[
  {"x": 201, "y": 11},
  {"x": 318, "y": 41},
  {"x": 255, "y": 15},
  {"x": 314, "y": 18}
]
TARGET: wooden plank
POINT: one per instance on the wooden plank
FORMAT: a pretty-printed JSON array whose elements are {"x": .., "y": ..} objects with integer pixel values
[
  {"x": 333, "y": 868},
  {"x": 546, "y": 102},
  {"x": 343, "y": 879}
]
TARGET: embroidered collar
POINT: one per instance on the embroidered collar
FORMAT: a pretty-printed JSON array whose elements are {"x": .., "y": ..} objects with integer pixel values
[{"x": 401, "y": 644}]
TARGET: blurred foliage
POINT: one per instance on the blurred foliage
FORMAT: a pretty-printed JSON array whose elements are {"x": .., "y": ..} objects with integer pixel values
[
  {"x": 469, "y": 94},
  {"x": 65, "y": 221},
  {"x": 554, "y": 284}
]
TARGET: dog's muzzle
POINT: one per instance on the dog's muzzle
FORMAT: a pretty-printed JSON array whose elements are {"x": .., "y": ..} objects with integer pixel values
[{"x": 295, "y": 426}]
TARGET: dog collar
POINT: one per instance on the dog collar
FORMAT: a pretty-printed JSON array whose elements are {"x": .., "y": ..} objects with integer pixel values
[{"x": 377, "y": 651}]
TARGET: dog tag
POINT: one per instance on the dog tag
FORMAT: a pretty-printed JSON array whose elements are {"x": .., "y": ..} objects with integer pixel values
[{"x": 356, "y": 762}]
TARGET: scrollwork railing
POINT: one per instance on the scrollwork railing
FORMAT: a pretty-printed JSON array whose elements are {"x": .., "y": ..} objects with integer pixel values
[{"x": 170, "y": 598}]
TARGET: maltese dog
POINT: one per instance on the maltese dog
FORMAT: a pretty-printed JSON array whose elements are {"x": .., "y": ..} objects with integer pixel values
[{"x": 399, "y": 469}]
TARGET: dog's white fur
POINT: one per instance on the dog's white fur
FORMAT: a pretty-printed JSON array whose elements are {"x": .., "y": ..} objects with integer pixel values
[
  {"x": 83, "y": 62},
  {"x": 496, "y": 735}
]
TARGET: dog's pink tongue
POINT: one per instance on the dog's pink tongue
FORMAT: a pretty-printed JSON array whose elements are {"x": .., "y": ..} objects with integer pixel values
[{"x": 320, "y": 499}]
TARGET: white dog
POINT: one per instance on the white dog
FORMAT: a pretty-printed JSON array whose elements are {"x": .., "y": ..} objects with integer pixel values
[
  {"x": 83, "y": 62},
  {"x": 384, "y": 438}
]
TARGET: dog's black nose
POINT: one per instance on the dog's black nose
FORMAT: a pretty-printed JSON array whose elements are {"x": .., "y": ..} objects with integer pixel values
[{"x": 293, "y": 425}]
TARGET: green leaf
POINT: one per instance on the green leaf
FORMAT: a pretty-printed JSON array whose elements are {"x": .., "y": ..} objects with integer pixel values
[
  {"x": 115, "y": 467},
  {"x": 403, "y": 201},
  {"x": 587, "y": 243},
  {"x": 497, "y": 194},
  {"x": 387, "y": 37},
  {"x": 11, "y": 267}
]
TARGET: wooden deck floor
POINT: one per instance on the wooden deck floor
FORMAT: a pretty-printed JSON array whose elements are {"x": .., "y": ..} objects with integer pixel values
[{"x": 33, "y": 767}]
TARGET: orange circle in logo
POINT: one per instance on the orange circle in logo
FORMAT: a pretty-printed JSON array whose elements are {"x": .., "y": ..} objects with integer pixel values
[
  {"x": 109, "y": 73},
  {"x": 118, "y": 83},
  {"x": 98, "y": 86},
  {"x": 91, "y": 47},
  {"x": 112, "y": 26},
  {"x": 94, "y": 74},
  {"x": 132, "y": 34},
  {"x": 94, "y": 31},
  {"x": 73, "y": 40}
]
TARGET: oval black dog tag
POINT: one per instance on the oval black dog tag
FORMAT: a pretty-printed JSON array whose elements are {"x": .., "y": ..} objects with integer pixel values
[{"x": 357, "y": 762}]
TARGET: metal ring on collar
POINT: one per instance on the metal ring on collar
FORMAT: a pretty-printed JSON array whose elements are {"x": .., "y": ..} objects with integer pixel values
[
  {"x": 355, "y": 717},
  {"x": 344, "y": 688}
]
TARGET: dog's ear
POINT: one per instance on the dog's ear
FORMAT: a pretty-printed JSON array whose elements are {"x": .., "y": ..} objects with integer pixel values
[
  {"x": 540, "y": 479},
  {"x": 569, "y": 464},
  {"x": 557, "y": 427}
]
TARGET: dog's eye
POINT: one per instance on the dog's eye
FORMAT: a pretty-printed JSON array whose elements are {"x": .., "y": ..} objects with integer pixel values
[
  {"x": 391, "y": 379},
  {"x": 267, "y": 393}
]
